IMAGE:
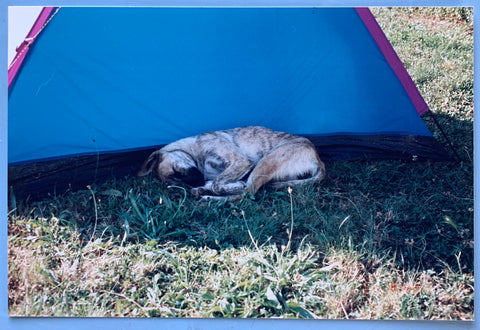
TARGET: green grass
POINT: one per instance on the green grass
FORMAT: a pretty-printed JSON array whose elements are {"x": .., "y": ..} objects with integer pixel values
[
  {"x": 436, "y": 47},
  {"x": 374, "y": 240}
]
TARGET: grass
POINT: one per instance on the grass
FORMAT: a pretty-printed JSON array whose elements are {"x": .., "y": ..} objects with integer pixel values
[
  {"x": 436, "y": 47},
  {"x": 375, "y": 240}
]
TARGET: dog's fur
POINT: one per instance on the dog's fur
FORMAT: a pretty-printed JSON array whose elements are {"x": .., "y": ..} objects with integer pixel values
[{"x": 225, "y": 164}]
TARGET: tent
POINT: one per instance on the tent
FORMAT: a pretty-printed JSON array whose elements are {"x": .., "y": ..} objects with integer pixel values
[{"x": 93, "y": 90}]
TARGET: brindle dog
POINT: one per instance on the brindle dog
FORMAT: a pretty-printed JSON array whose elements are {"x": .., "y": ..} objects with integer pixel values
[{"x": 226, "y": 164}]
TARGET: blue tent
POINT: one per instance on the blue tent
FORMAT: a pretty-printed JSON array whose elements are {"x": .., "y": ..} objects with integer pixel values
[{"x": 100, "y": 87}]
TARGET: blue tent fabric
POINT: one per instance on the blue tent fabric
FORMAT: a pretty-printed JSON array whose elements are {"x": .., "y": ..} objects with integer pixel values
[
  {"x": 113, "y": 79},
  {"x": 108, "y": 80}
]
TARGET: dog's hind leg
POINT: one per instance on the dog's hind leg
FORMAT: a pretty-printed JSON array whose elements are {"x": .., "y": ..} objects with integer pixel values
[{"x": 288, "y": 164}]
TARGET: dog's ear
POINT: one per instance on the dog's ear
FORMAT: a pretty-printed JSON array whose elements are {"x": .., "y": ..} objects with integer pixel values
[{"x": 151, "y": 162}]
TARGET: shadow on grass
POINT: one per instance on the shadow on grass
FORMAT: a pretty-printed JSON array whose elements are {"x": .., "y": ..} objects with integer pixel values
[
  {"x": 371, "y": 228},
  {"x": 455, "y": 135},
  {"x": 420, "y": 213}
]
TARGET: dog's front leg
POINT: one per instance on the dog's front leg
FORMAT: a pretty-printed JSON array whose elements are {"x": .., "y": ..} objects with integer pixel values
[
  {"x": 206, "y": 194},
  {"x": 203, "y": 190},
  {"x": 219, "y": 189},
  {"x": 227, "y": 183}
]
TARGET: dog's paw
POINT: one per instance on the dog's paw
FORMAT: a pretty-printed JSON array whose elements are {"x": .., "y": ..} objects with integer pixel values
[
  {"x": 197, "y": 192},
  {"x": 209, "y": 198},
  {"x": 228, "y": 189},
  {"x": 201, "y": 191},
  {"x": 229, "y": 198}
]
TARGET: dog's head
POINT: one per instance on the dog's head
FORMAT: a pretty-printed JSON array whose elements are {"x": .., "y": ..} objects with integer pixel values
[{"x": 173, "y": 167}]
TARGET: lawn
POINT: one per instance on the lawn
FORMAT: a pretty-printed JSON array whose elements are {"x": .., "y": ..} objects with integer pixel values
[{"x": 374, "y": 240}]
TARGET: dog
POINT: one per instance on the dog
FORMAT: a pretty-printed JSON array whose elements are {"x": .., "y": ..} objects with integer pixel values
[{"x": 227, "y": 164}]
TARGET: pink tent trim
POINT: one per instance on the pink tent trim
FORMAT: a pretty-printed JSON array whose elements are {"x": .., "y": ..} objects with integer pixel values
[
  {"x": 22, "y": 50},
  {"x": 393, "y": 59}
]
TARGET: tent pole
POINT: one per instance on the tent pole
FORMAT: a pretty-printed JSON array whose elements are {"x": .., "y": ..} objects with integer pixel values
[{"x": 437, "y": 123}]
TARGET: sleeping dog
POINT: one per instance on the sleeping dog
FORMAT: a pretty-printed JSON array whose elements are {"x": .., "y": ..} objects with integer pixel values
[{"x": 226, "y": 164}]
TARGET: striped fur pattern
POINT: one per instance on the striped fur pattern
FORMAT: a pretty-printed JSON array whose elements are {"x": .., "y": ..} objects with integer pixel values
[{"x": 226, "y": 164}]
